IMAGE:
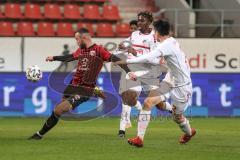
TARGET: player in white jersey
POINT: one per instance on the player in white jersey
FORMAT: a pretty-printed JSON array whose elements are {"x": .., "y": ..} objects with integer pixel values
[
  {"x": 142, "y": 42},
  {"x": 170, "y": 50}
]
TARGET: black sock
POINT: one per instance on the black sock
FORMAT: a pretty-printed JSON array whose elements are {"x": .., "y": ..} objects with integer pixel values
[{"x": 49, "y": 124}]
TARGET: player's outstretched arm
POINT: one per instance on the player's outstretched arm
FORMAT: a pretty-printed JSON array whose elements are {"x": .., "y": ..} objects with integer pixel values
[
  {"x": 156, "y": 53},
  {"x": 115, "y": 59},
  {"x": 66, "y": 58},
  {"x": 120, "y": 62}
]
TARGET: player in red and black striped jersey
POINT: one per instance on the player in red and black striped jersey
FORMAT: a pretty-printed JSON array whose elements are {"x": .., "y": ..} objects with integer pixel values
[{"x": 90, "y": 58}]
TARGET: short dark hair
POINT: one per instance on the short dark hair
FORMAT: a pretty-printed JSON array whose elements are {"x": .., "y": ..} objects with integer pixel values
[
  {"x": 83, "y": 30},
  {"x": 65, "y": 46},
  {"x": 162, "y": 27},
  {"x": 146, "y": 14},
  {"x": 133, "y": 22}
]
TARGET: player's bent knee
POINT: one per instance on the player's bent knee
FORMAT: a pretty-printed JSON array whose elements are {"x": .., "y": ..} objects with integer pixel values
[
  {"x": 129, "y": 97},
  {"x": 62, "y": 108},
  {"x": 161, "y": 106},
  {"x": 58, "y": 111},
  {"x": 148, "y": 103}
]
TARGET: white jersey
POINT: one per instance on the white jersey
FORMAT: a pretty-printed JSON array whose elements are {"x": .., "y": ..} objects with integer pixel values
[
  {"x": 174, "y": 57},
  {"x": 143, "y": 44}
]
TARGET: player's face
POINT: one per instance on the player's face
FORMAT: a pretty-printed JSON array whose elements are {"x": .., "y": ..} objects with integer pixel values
[
  {"x": 143, "y": 23},
  {"x": 156, "y": 35},
  {"x": 80, "y": 40},
  {"x": 133, "y": 28}
]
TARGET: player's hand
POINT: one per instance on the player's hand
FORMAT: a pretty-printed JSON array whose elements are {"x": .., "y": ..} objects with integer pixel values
[
  {"x": 132, "y": 50},
  {"x": 132, "y": 76},
  {"x": 121, "y": 46},
  {"x": 49, "y": 59},
  {"x": 120, "y": 62}
]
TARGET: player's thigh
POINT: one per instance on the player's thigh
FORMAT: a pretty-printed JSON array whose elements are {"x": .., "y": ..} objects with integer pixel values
[
  {"x": 76, "y": 100},
  {"x": 127, "y": 84},
  {"x": 70, "y": 103},
  {"x": 129, "y": 90},
  {"x": 180, "y": 98},
  {"x": 153, "y": 98},
  {"x": 149, "y": 84},
  {"x": 162, "y": 88}
]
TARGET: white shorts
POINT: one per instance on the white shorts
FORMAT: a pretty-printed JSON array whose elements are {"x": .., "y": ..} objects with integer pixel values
[
  {"x": 145, "y": 84},
  {"x": 179, "y": 96}
]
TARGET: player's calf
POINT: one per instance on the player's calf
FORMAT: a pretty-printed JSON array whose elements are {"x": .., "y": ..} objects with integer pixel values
[
  {"x": 49, "y": 124},
  {"x": 59, "y": 110},
  {"x": 184, "y": 125},
  {"x": 125, "y": 120}
]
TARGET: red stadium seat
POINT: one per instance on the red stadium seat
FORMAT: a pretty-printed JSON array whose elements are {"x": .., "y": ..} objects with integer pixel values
[
  {"x": 89, "y": 26},
  {"x": 25, "y": 29},
  {"x": 52, "y": 11},
  {"x": 91, "y": 11},
  {"x": 65, "y": 29},
  {"x": 1, "y": 14},
  {"x": 71, "y": 11},
  {"x": 13, "y": 10},
  {"x": 45, "y": 29},
  {"x": 6, "y": 29},
  {"x": 123, "y": 30},
  {"x": 104, "y": 30},
  {"x": 110, "y": 12},
  {"x": 32, "y": 11}
]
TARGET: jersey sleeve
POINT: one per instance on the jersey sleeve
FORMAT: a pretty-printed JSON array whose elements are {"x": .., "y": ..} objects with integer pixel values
[
  {"x": 104, "y": 54},
  {"x": 160, "y": 51},
  {"x": 76, "y": 53}
]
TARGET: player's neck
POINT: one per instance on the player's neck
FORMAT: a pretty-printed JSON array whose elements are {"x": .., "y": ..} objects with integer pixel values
[
  {"x": 89, "y": 44},
  {"x": 163, "y": 38},
  {"x": 146, "y": 31}
]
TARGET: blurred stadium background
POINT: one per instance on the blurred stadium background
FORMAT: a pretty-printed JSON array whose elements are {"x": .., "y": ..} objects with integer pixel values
[{"x": 30, "y": 30}]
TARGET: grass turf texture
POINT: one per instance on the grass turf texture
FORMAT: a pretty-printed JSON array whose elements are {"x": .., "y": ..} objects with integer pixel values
[{"x": 216, "y": 138}]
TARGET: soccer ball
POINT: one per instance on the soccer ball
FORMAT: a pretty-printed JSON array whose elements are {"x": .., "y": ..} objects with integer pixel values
[
  {"x": 127, "y": 44},
  {"x": 34, "y": 73}
]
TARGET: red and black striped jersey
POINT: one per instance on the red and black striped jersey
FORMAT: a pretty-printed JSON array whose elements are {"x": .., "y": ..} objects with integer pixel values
[{"x": 90, "y": 62}]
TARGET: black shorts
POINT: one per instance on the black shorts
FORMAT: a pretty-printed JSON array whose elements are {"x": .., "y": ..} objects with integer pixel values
[{"x": 76, "y": 95}]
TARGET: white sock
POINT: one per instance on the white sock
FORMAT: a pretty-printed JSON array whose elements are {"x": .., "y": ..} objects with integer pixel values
[
  {"x": 168, "y": 106},
  {"x": 185, "y": 127},
  {"x": 125, "y": 117},
  {"x": 138, "y": 106},
  {"x": 143, "y": 121}
]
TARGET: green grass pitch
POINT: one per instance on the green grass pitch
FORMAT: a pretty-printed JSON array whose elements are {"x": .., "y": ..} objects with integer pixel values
[{"x": 216, "y": 139}]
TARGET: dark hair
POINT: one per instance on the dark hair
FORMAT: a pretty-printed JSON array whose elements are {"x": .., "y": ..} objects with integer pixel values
[
  {"x": 83, "y": 30},
  {"x": 65, "y": 46},
  {"x": 133, "y": 22},
  {"x": 162, "y": 27},
  {"x": 146, "y": 14}
]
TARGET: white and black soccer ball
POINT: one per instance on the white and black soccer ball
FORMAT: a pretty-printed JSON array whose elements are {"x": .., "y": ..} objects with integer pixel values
[
  {"x": 34, "y": 73},
  {"x": 127, "y": 44}
]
